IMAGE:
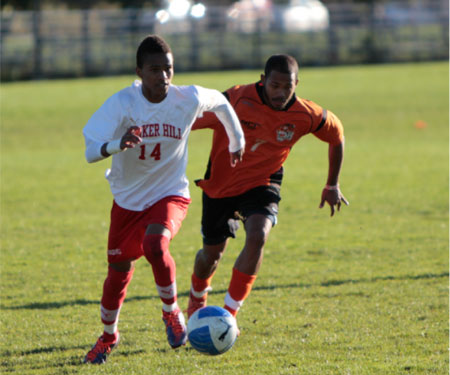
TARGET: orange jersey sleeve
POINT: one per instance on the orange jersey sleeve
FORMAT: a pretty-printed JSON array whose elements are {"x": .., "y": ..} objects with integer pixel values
[{"x": 332, "y": 130}]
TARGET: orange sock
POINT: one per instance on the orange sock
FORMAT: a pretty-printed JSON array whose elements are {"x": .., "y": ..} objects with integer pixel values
[
  {"x": 239, "y": 289},
  {"x": 199, "y": 287}
]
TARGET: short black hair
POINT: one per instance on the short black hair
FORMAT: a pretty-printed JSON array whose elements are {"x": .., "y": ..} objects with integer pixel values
[
  {"x": 281, "y": 63},
  {"x": 151, "y": 44}
]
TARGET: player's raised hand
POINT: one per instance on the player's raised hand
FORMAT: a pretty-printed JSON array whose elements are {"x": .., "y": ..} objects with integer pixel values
[
  {"x": 333, "y": 197},
  {"x": 236, "y": 157},
  {"x": 131, "y": 138}
]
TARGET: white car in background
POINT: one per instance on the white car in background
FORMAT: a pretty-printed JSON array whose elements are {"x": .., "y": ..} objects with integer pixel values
[
  {"x": 305, "y": 15},
  {"x": 245, "y": 16},
  {"x": 177, "y": 16},
  {"x": 250, "y": 16}
]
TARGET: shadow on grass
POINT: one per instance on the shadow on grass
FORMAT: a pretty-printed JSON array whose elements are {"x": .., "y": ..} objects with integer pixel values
[
  {"x": 77, "y": 302},
  {"x": 41, "y": 350},
  {"x": 328, "y": 283},
  {"x": 73, "y": 360}
]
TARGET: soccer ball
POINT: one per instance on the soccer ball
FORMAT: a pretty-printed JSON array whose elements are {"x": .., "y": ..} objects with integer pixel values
[{"x": 212, "y": 330}]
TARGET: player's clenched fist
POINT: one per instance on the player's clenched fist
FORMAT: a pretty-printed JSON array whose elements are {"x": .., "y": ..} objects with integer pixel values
[{"x": 131, "y": 138}]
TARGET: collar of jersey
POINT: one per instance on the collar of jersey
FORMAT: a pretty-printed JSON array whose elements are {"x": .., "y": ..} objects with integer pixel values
[{"x": 141, "y": 95}]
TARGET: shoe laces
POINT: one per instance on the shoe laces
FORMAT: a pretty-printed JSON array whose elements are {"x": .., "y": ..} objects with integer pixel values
[
  {"x": 195, "y": 304},
  {"x": 173, "y": 321},
  {"x": 99, "y": 348}
]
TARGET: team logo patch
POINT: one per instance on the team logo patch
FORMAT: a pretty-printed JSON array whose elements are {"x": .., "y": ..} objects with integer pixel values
[
  {"x": 285, "y": 132},
  {"x": 114, "y": 252},
  {"x": 167, "y": 292}
]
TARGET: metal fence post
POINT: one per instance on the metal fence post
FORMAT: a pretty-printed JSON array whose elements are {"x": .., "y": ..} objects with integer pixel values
[
  {"x": 444, "y": 21},
  {"x": 85, "y": 40},
  {"x": 373, "y": 52},
  {"x": 333, "y": 44},
  {"x": 195, "y": 45},
  {"x": 257, "y": 41},
  {"x": 37, "y": 41}
]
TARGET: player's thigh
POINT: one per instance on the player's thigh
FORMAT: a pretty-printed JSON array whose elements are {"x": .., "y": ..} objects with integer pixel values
[
  {"x": 257, "y": 229},
  {"x": 218, "y": 220},
  {"x": 168, "y": 213},
  {"x": 262, "y": 200},
  {"x": 125, "y": 236}
]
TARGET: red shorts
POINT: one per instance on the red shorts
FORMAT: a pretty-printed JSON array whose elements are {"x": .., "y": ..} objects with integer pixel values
[{"x": 127, "y": 228}]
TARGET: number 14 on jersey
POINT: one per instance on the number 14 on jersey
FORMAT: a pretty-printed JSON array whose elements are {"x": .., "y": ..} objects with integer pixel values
[{"x": 156, "y": 152}]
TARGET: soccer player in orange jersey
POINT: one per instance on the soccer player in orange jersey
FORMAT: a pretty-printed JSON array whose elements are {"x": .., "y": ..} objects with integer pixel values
[{"x": 273, "y": 119}]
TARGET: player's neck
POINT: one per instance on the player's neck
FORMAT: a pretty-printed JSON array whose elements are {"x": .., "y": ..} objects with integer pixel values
[{"x": 153, "y": 97}]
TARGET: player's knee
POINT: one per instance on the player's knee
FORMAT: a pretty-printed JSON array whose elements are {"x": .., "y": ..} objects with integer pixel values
[
  {"x": 256, "y": 237},
  {"x": 154, "y": 246},
  {"x": 212, "y": 257},
  {"x": 123, "y": 266},
  {"x": 211, "y": 254}
]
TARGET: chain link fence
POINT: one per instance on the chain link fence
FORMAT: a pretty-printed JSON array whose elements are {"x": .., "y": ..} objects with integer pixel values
[{"x": 79, "y": 43}]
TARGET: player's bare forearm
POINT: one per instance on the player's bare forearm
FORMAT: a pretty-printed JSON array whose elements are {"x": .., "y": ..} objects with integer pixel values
[
  {"x": 335, "y": 159},
  {"x": 332, "y": 193}
]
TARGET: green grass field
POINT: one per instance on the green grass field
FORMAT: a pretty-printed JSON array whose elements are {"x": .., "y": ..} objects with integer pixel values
[{"x": 362, "y": 293}]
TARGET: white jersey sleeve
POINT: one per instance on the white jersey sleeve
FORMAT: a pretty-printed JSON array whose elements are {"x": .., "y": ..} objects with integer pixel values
[
  {"x": 215, "y": 101},
  {"x": 102, "y": 127}
]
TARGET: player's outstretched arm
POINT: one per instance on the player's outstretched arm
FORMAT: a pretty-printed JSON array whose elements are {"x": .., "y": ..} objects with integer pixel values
[
  {"x": 217, "y": 103},
  {"x": 331, "y": 192}
]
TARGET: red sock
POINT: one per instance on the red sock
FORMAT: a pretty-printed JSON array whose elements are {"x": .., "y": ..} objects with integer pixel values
[
  {"x": 156, "y": 249},
  {"x": 238, "y": 290},
  {"x": 115, "y": 288},
  {"x": 114, "y": 292}
]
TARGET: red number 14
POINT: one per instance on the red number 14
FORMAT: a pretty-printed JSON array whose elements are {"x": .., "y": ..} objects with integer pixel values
[{"x": 156, "y": 153}]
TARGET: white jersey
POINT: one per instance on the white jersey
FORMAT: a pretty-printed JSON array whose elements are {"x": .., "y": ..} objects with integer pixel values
[{"x": 154, "y": 169}]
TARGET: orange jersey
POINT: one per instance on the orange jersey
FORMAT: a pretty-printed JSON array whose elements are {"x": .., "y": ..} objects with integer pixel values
[{"x": 269, "y": 137}]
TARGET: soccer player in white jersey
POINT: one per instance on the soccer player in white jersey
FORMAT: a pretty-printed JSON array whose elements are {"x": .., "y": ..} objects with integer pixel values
[{"x": 145, "y": 127}]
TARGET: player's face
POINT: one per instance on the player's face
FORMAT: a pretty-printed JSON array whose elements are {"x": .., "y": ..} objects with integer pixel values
[
  {"x": 156, "y": 75},
  {"x": 278, "y": 88}
]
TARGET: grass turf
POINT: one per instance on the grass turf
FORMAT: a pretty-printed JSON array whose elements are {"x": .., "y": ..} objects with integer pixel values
[{"x": 364, "y": 292}]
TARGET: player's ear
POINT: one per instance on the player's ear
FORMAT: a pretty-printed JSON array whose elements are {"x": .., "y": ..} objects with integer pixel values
[{"x": 139, "y": 72}]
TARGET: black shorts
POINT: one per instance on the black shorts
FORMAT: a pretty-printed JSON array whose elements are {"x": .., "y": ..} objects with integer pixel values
[{"x": 220, "y": 216}]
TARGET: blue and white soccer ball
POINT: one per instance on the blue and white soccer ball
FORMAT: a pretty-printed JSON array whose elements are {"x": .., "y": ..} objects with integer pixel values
[{"x": 212, "y": 330}]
